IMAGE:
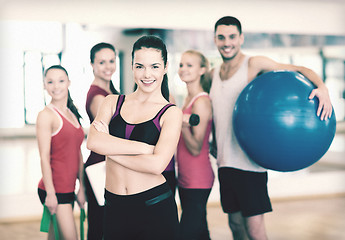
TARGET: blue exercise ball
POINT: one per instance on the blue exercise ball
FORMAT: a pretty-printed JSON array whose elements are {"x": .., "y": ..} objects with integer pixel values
[{"x": 276, "y": 124}]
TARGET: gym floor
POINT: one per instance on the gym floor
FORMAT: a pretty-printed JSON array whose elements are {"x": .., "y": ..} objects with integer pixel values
[
  {"x": 320, "y": 218},
  {"x": 307, "y": 205}
]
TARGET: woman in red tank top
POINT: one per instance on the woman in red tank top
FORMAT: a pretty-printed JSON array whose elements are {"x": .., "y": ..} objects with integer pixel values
[
  {"x": 103, "y": 62},
  {"x": 59, "y": 136}
]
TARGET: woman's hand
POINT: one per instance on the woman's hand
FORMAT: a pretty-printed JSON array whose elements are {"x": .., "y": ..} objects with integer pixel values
[
  {"x": 101, "y": 126},
  {"x": 51, "y": 203},
  {"x": 185, "y": 120},
  {"x": 81, "y": 198}
]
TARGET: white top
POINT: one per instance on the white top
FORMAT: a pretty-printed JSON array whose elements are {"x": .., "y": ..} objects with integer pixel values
[{"x": 224, "y": 95}]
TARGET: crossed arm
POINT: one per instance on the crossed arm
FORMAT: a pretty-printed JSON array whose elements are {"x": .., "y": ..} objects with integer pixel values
[
  {"x": 103, "y": 143},
  {"x": 134, "y": 155}
]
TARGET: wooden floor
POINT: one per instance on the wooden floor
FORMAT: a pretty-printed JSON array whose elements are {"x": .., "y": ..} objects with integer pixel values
[
  {"x": 304, "y": 219},
  {"x": 307, "y": 205}
]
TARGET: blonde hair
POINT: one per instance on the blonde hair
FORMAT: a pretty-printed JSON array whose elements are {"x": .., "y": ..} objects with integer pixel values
[{"x": 205, "y": 79}]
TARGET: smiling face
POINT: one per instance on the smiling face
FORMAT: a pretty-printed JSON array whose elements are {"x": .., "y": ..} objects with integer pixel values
[
  {"x": 104, "y": 64},
  {"x": 148, "y": 69},
  {"x": 190, "y": 68},
  {"x": 56, "y": 83},
  {"x": 228, "y": 41}
]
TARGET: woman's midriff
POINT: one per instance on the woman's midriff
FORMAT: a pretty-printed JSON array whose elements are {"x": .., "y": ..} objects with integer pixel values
[{"x": 124, "y": 181}]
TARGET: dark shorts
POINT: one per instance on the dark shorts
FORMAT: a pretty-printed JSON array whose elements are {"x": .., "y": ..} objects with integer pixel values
[
  {"x": 149, "y": 215},
  {"x": 62, "y": 198},
  {"x": 243, "y": 191}
]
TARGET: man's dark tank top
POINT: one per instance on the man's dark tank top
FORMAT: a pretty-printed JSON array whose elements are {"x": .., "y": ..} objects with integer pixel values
[{"x": 147, "y": 132}]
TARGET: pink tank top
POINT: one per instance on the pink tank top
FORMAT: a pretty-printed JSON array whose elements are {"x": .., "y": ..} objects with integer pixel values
[
  {"x": 65, "y": 156},
  {"x": 195, "y": 171}
]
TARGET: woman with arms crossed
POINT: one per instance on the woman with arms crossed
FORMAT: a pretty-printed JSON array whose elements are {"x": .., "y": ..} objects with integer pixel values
[
  {"x": 60, "y": 135},
  {"x": 144, "y": 129}
]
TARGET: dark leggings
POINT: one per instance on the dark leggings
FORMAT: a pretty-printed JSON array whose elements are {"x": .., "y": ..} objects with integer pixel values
[
  {"x": 149, "y": 215},
  {"x": 95, "y": 213},
  {"x": 170, "y": 176},
  {"x": 193, "y": 224}
]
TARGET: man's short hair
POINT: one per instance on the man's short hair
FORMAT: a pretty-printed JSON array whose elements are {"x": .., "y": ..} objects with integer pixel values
[{"x": 228, "y": 20}]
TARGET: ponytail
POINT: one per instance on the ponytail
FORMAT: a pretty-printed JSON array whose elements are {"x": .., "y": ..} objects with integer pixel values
[
  {"x": 113, "y": 89},
  {"x": 165, "y": 88},
  {"x": 73, "y": 108},
  {"x": 205, "y": 81}
]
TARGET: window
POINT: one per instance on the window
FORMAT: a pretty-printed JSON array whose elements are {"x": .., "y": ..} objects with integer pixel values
[{"x": 35, "y": 98}]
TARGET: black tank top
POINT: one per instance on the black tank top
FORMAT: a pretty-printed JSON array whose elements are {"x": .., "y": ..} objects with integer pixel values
[{"x": 147, "y": 132}]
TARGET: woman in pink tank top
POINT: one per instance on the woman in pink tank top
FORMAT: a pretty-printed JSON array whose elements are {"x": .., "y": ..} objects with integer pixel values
[
  {"x": 59, "y": 136},
  {"x": 195, "y": 173}
]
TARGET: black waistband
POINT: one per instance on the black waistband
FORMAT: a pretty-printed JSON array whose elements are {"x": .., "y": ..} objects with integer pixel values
[{"x": 148, "y": 197}]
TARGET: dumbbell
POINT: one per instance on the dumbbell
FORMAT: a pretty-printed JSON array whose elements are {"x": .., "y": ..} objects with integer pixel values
[{"x": 194, "y": 119}]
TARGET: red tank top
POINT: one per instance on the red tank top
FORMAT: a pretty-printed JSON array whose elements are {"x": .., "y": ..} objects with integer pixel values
[
  {"x": 93, "y": 91},
  {"x": 65, "y": 156}
]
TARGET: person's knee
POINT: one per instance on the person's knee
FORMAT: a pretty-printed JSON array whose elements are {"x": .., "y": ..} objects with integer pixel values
[
  {"x": 255, "y": 227},
  {"x": 237, "y": 226},
  {"x": 66, "y": 222}
]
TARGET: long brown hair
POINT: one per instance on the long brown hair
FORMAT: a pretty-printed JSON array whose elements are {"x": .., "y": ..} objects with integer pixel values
[
  {"x": 151, "y": 41},
  {"x": 99, "y": 47},
  {"x": 70, "y": 103}
]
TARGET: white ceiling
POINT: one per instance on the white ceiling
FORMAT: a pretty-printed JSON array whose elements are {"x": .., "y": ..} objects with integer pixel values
[{"x": 276, "y": 16}]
